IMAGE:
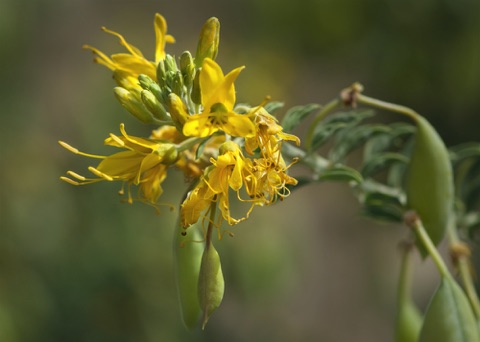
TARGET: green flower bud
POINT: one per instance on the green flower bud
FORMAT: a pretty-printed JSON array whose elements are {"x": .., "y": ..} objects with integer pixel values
[
  {"x": 161, "y": 73},
  {"x": 211, "y": 284},
  {"x": 170, "y": 64},
  {"x": 145, "y": 81},
  {"x": 208, "y": 42},
  {"x": 177, "y": 84},
  {"x": 196, "y": 95},
  {"x": 154, "y": 106},
  {"x": 188, "y": 255},
  {"x": 133, "y": 105},
  {"x": 178, "y": 111},
  {"x": 187, "y": 67},
  {"x": 429, "y": 181}
]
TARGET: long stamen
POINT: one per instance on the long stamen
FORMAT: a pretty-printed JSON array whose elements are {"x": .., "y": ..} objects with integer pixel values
[
  {"x": 76, "y": 151},
  {"x": 99, "y": 173}
]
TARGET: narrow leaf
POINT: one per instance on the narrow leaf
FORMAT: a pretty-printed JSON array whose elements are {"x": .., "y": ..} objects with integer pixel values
[
  {"x": 341, "y": 173},
  {"x": 295, "y": 115}
]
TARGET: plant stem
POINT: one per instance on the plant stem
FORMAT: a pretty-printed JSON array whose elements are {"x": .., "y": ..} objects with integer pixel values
[
  {"x": 416, "y": 224},
  {"x": 213, "y": 210},
  {"x": 462, "y": 262},
  {"x": 369, "y": 101},
  {"x": 320, "y": 116}
]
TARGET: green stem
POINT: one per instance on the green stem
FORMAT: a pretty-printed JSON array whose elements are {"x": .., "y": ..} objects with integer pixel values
[
  {"x": 189, "y": 143},
  {"x": 369, "y": 101},
  {"x": 462, "y": 263},
  {"x": 422, "y": 234},
  {"x": 213, "y": 211},
  {"x": 335, "y": 103}
]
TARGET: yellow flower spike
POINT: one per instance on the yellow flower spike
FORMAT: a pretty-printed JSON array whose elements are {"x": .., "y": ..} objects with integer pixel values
[{"x": 218, "y": 99}]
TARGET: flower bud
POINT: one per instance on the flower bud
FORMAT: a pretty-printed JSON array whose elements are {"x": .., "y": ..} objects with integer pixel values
[
  {"x": 133, "y": 105},
  {"x": 208, "y": 42},
  {"x": 161, "y": 73},
  {"x": 187, "y": 67},
  {"x": 178, "y": 111},
  {"x": 154, "y": 106}
]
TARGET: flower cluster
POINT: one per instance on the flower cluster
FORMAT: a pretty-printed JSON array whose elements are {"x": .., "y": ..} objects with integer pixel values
[{"x": 222, "y": 148}]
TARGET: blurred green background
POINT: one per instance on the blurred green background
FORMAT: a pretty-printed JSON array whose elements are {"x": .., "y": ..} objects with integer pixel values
[{"x": 78, "y": 265}]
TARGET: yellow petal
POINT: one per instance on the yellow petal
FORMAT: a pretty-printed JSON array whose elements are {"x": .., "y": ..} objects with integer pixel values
[
  {"x": 161, "y": 37},
  {"x": 239, "y": 125},
  {"x": 199, "y": 125},
  {"x": 215, "y": 87},
  {"x": 132, "y": 49},
  {"x": 123, "y": 165}
]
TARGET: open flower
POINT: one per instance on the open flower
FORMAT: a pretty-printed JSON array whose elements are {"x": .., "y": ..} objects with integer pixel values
[
  {"x": 227, "y": 172},
  {"x": 144, "y": 163},
  {"x": 134, "y": 63},
  {"x": 218, "y": 100}
]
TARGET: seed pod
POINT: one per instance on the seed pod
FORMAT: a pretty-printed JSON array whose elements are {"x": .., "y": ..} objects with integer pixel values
[
  {"x": 188, "y": 253},
  {"x": 429, "y": 180},
  {"x": 211, "y": 285},
  {"x": 449, "y": 316}
]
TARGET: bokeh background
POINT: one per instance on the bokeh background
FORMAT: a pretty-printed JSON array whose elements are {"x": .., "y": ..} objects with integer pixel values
[{"x": 78, "y": 265}]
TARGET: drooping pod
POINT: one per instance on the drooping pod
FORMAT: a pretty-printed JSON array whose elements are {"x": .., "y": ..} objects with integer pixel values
[
  {"x": 211, "y": 284},
  {"x": 429, "y": 180},
  {"x": 188, "y": 251}
]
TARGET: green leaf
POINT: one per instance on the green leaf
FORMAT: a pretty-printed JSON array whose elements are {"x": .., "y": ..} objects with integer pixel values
[
  {"x": 295, "y": 115},
  {"x": 337, "y": 124},
  {"x": 355, "y": 137},
  {"x": 464, "y": 151},
  {"x": 379, "y": 162},
  {"x": 393, "y": 140},
  {"x": 383, "y": 207},
  {"x": 341, "y": 173},
  {"x": 449, "y": 316},
  {"x": 273, "y": 106}
]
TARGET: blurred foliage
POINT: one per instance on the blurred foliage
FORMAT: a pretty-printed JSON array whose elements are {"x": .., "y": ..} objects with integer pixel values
[{"x": 77, "y": 265}]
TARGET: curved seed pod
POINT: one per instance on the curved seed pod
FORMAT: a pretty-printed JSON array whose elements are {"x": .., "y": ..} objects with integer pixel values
[
  {"x": 409, "y": 323},
  {"x": 188, "y": 256},
  {"x": 409, "y": 319},
  {"x": 449, "y": 316},
  {"x": 429, "y": 180},
  {"x": 211, "y": 285}
]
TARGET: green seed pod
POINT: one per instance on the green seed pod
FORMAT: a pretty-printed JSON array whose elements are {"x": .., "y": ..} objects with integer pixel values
[
  {"x": 188, "y": 253},
  {"x": 211, "y": 284},
  {"x": 409, "y": 322},
  {"x": 409, "y": 319},
  {"x": 429, "y": 181},
  {"x": 449, "y": 316},
  {"x": 196, "y": 92}
]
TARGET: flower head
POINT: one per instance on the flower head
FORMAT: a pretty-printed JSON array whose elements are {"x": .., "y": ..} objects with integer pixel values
[{"x": 218, "y": 100}]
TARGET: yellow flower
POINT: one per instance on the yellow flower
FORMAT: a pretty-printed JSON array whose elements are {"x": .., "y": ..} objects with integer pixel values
[
  {"x": 227, "y": 172},
  {"x": 144, "y": 163},
  {"x": 134, "y": 63},
  {"x": 268, "y": 180},
  {"x": 269, "y": 135},
  {"x": 218, "y": 100}
]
